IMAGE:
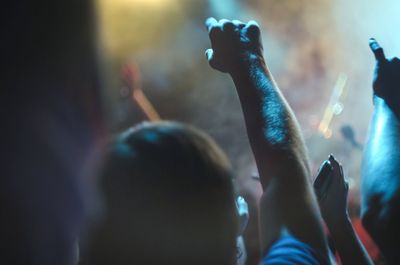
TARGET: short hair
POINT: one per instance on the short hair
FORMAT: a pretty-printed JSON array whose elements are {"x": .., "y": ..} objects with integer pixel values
[{"x": 169, "y": 198}]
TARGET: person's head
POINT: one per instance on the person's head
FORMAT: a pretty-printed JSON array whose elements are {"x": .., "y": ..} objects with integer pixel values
[
  {"x": 52, "y": 109},
  {"x": 168, "y": 196}
]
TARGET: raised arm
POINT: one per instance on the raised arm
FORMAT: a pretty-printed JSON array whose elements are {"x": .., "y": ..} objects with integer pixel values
[
  {"x": 380, "y": 181},
  {"x": 131, "y": 75},
  {"x": 332, "y": 189},
  {"x": 274, "y": 135}
]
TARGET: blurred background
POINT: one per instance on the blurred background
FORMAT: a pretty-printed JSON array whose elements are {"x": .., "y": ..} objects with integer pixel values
[{"x": 317, "y": 50}]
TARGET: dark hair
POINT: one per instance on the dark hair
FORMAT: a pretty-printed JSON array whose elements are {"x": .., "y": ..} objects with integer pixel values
[{"x": 169, "y": 198}]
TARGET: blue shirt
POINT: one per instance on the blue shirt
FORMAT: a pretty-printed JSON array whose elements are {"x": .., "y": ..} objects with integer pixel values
[{"x": 290, "y": 251}]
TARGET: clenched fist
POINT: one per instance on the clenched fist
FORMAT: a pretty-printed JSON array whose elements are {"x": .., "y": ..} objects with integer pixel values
[
  {"x": 386, "y": 81},
  {"x": 233, "y": 42}
]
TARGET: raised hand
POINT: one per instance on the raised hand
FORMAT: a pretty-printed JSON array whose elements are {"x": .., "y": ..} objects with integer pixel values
[
  {"x": 332, "y": 189},
  {"x": 386, "y": 81},
  {"x": 132, "y": 77},
  {"x": 287, "y": 202},
  {"x": 232, "y": 42}
]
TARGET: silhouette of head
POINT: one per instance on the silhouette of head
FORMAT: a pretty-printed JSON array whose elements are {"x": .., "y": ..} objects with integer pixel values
[{"x": 169, "y": 198}]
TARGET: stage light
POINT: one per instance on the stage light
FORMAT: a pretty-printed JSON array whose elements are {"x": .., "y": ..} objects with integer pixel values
[
  {"x": 127, "y": 26},
  {"x": 334, "y": 107}
]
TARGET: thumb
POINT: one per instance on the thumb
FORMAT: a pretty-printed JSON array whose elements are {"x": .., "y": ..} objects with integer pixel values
[
  {"x": 377, "y": 50},
  {"x": 212, "y": 60},
  {"x": 209, "y": 54},
  {"x": 210, "y": 57}
]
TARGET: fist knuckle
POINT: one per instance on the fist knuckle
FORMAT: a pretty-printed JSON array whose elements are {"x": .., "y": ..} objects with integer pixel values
[
  {"x": 254, "y": 28},
  {"x": 395, "y": 60},
  {"x": 228, "y": 26},
  {"x": 214, "y": 31},
  {"x": 253, "y": 31}
]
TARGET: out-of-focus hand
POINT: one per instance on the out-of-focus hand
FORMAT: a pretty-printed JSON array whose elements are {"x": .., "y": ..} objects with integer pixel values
[
  {"x": 386, "y": 81},
  {"x": 332, "y": 189},
  {"x": 232, "y": 42},
  {"x": 131, "y": 75}
]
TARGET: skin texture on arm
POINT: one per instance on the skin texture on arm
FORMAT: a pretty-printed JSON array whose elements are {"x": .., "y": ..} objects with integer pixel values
[
  {"x": 288, "y": 201},
  {"x": 332, "y": 190},
  {"x": 380, "y": 181}
]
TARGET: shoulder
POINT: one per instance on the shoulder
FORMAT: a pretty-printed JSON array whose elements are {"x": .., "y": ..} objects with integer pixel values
[{"x": 289, "y": 250}]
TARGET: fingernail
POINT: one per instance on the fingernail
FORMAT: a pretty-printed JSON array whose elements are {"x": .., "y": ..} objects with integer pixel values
[{"x": 208, "y": 54}]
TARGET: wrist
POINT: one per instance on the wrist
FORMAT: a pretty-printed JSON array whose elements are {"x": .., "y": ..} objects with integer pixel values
[
  {"x": 245, "y": 61},
  {"x": 339, "y": 223}
]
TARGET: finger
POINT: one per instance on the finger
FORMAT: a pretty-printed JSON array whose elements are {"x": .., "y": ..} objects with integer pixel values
[
  {"x": 377, "y": 50},
  {"x": 214, "y": 31},
  {"x": 211, "y": 59},
  {"x": 226, "y": 25},
  {"x": 395, "y": 60},
  {"x": 210, "y": 22},
  {"x": 342, "y": 180},
  {"x": 324, "y": 170},
  {"x": 338, "y": 169},
  {"x": 209, "y": 54},
  {"x": 346, "y": 185},
  {"x": 333, "y": 161},
  {"x": 338, "y": 176},
  {"x": 252, "y": 29},
  {"x": 322, "y": 181}
]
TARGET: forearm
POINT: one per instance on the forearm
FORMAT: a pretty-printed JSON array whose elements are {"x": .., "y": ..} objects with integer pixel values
[
  {"x": 347, "y": 243},
  {"x": 380, "y": 180},
  {"x": 281, "y": 158},
  {"x": 145, "y": 106},
  {"x": 274, "y": 135},
  {"x": 271, "y": 126},
  {"x": 381, "y": 161}
]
